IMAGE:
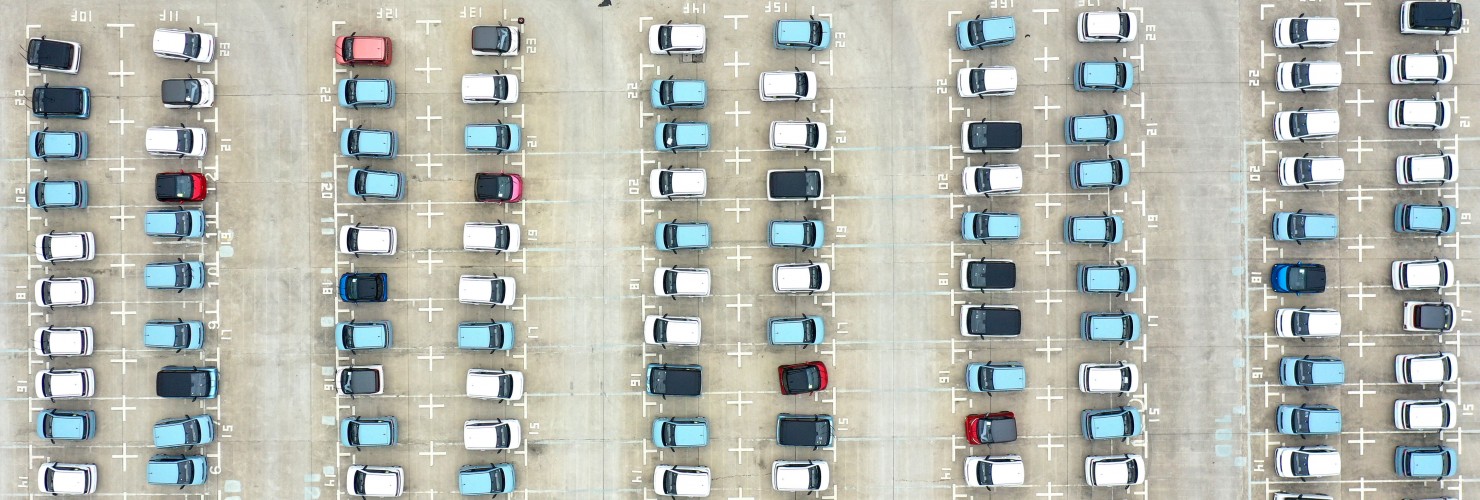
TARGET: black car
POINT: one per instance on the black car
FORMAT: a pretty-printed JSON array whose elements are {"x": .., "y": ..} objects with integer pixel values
[
  {"x": 363, "y": 287},
  {"x": 60, "y": 102},
  {"x": 1428, "y": 317},
  {"x": 360, "y": 380},
  {"x": 54, "y": 55},
  {"x": 983, "y": 274},
  {"x": 1438, "y": 18},
  {"x": 497, "y": 188},
  {"x": 674, "y": 380},
  {"x": 802, "y": 378},
  {"x": 801, "y": 184},
  {"x": 179, "y": 187},
  {"x": 1298, "y": 278},
  {"x": 185, "y": 92},
  {"x": 186, "y": 382},
  {"x": 991, "y": 137},
  {"x": 991, "y": 321},
  {"x": 494, "y": 40},
  {"x": 813, "y": 431}
]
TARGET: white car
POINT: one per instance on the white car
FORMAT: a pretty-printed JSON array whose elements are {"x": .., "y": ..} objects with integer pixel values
[
  {"x": 176, "y": 141},
  {"x": 367, "y": 240},
  {"x": 795, "y": 135},
  {"x": 1409, "y": 69},
  {"x": 992, "y": 179},
  {"x": 1428, "y": 114},
  {"x": 1300, "y": 496},
  {"x": 1431, "y": 317},
  {"x": 184, "y": 45},
  {"x": 63, "y": 341},
  {"x": 1114, "y": 470},
  {"x": 64, "y": 292},
  {"x": 485, "y": 290},
  {"x": 1303, "y": 124},
  {"x": 1424, "y": 369},
  {"x": 983, "y": 81},
  {"x": 676, "y": 39},
  {"x": 1106, "y": 26},
  {"x": 1423, "y": 169},
  {"x": 1424, "y": 414},
  {"x": 800, "y": 475},
  {"x": 374, "y": 481},
  {"x": 808, "y": 277},
  {"x": 1109, "y": 378},
  {"x": 497, "y": 88},
  {"x": 678, "y": 183},
  {"x": 1307, "y": 322},
  {"x": 491, "y": 237},
  {"x": 65, "y": 247},
  {"x": 995, "y": 470},
  {"x": 681, "y": 481},
  {"x": 499, "y": 385},
  {"x": 1307, "y": 76},
  {"x": 788, "y": 86},
  {"x": 1430, "y": 274},
  {"x": 1309, "y": 170},
  {"x": 1299, "y": 462},
  {"x": 58, "y": 383},
  {"x": 1306, "y": 32},
  {"x": 668, "y": 330},
  {"x": 681, "y": 282},
  {"x": 57, "y": 478},
  {"x": 496, "y": 434}
]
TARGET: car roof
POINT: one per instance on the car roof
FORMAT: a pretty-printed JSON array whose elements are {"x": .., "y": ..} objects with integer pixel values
[
  {"x": 687, "y": 35},
  {"x": 1092, "y": 126},
  {"x": 1428, "y": 216},
  {"x": 372, "y": 89},
  {"x": 374, "y": 141},
  {"x": 1324, "y": 420},
  {"x": 1100, "y": 72},
  {"x": 1324, "y": 73},
  {"x": 1008, "y": 377},
  {"x": 1322, "y": 121},
  {"x": 1092, "y": 228},
  {"x": 59, "y": 192},
  {"x": 679, "y": 380},
  {"x": 1109, "y": 424},
  {"x": 794, "y": 30},
  {"x": 368, "y": 47},
  {"x": 1103, "y": 326},
  {"x": 1003, "y": 225},
  {"x": 1327, "y": 371},
  {"x": 1103, "y": 277},
  {"x": 1428, "y": 461},
  {"x": 1320, "y": 225},
  {"x": 1322, "y": 28},
  {"x": 692, "y": 234},
  {"x": 50, "y": 53},
  {"x": 59, "y": 143},
  {"x": 998, "y": 28},
  {"x": 1422, "y": 65},
  {"x": 67, "y": 426},
  {"x": 691, "y": 133},
  {"x": 1420, "y": 109},
  {"x": 1105, "y": 377},
  {"x": 991, "y": 274},
  {"x": 1323, "y": 462},
  {"x": 995, "y": 135}
]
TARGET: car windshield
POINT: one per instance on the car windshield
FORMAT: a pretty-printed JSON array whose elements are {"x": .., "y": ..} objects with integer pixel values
[
  {"x": 669, "y": 429},
  {"x": 670, "y": 482},
  {"x": 665, "y": 37},
  {"x": 1109, "y": 229},
  {"x": 1122, "y": 74},
  {"x": 360, "y": 475},
  {"x": 670, "y": 235},
  {"x": 665, "y": 92},
  {"x": 498, "y": 479},
  {"x": 670, "y": 135},
  {"x": 980, "y": 228},
  {"x": 353, "y": 142},
  {"x": 1297, "y": 226},
  {"x": 500, "y": 88},
  {"x": 1300, "y": 323},
  {"x": 1128, "y": 420},
  {"x": 809, "y": 235},
  {"x": 41, "y": 143},
  {"x": 496, "y": 290},
  {"x": 183, "y": 185},
  {"x": 1300, "y": 464},
  {"x": 1304, "y": 170},
  {"x": 1297, "y": 278},
  {"x": 504, "y": 187},
  {"x": 816, "y": 35},
  {"x": 505, "y": 386},
  {"x": 813, "y": 135},
  {"x": 352, "y": 241},
  {"x": 1304, "y": 372},
  {"x": 978, "y": 81},
  {"x": 361, "y": 177},
  {"x": 974, "y": 31},
  {"x": 665, "y": 182},
  {"x": 1301, "y": 422},
  {"x": 1130, "y": 470},
  {"x": 349, "y": 90},
  {"x": 1300, "y": 74},
  {"x": 192, "y": 45},
  {"x": 1125, "y": 278},
  {"x": 183, "y": 141},
  {"x": 806, "y": 377},
  {"x": 1110, "y": 127},
  {"x": 670, "y": 281},
  {"x": 347, "y": 335},
  {"x": 186, "y": 472},
  {"x": 192, "y": 430},
  {"x": 1298, "y": 30},
  {"x": 1298, "y": 124},
  {"x": 809, "y": 331},
  {"x": 182, "y": 334},
  {"x": 801, "y": 84},
  {"x": 46, "y": 248},
  {"x": 816, "y": 278},
  {"x": 182, "y": 275},
  {"x": 182, "y": 222},
  {"x": 354, "y": 433},
  {"x": 501, "y": 237}
]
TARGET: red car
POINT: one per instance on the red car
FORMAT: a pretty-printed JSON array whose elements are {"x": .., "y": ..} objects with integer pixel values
[
  {"x": 988, "y": 428},
  {"x": 351, "y": 50},
  {"x": 179, "y": 187},
  {"x": 502, "y": 187},
  {"x": 803, "y": 378}
]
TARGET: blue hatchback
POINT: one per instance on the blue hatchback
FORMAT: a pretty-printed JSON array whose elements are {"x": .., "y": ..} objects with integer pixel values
[
  {"x": 1116, "y": 279},
  {"x": 364, "y": 287},
  {"x": 671, "y": 432},
  {"x": 990, "y": 32},
  {"x": 362, "y": 335},
  {"x": 1103, "y": 76},
  {"x": 1094, "y": 129},
  {"x": 1300, "y": 226},
  {"x": 47, "y": 194},
  {"x": 175, "y": 223},
  {"x": 675, "y": 236},
  {"x": 485, "y": 335},
  {"x": 177, "y": 470},
  {"x": 367, "y": 143},
  {"x": 1000, "y": 376},
  {"x": 1094, "y": 229},
  {"x": 803, "y": 34},
  {"x": 1298, "y": 278},
  {"x": 1110, "y": 326},
  {"x": 62, "y": 145},
  {"x": 368, "y": 432},
  {"x": 795, "y": 330},
  {"x": 491, "y": 479},
  {"x": 679, "y": 94},
  {"x": 496, "y": 138},
  {"x": 1307, "y": 420},
  {"x": 184, "y": 432},
  {"x": 1426, "y": 219},
  {"x": 1113, "y": 423},
  {"x": 796, "y": 233},
  {"x": 991, "y": 226},
  {"x": 180, "y": 275},
  {"x": 1425, "y": 461},
  {"x": 681, "y": 136},
  {"x": 1311, "y": 371},
  {"x": 68, "y": 425},
  {"x": 177, "y": 334},
  {"x": 365, "y": 183},
  {"x": 1109, "y": 173},
  {"x": 367, "y": 93}
]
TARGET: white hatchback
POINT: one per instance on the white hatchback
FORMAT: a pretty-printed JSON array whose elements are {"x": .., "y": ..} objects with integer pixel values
[
  {"x": 681, "y": 282},
  {"x": 984, "y": 81},
  {"x": 1409, "y": 69},
  {"x": 995, "y": 470},
  {"x": 670, "y": 39},
  {"x": 1424, "y": 414},
  {"x": 1306, "y": 32},
  {"x": 64, "y": 292},
  {"x": 1307, "y": 461},
  {"x": 1109, "y": 378},
  {"x": 801, "y": 277},
  {"x": 486, "y": 290},
  {"x": 1426, "y": 114},
  {"x": 490, "y": 237},
  {"x": 374, "y": 481},
  {"x": 1307, "y": 322},
  {"x": 1114, "y": 470},
  {"x": 1306, "y": 124},
  {"x": 1430, "y": 274},
  {"x": 498, "y": 385},
  {"x": 496, "y": 434},
  {"x": 668, "y": 330},
  {"x": 1424, "y": 369},
  {"x": 176, "y": 141},
  {"x": 367, "y": 240},
  {"x": 1306, "y": 171},
  {"x": 65, "y": 247},
  {"x": 681, "y": 481},
  {"x": 496, "y": 88},
  {"x": 992, "y": 179},
  {"x": 1308, "y": 76},
  {"x": 1119, "y": 26},
  {"x": 798, "y": 136},
  {"x": 184, "y": 45},
  {"x": 677, "y": 183},
  {"x": 63, "y": 341},
  {"x": 788, "y": 86},
  {"x": 1423, "y": 169},
  {"x": 57, "y": 478},
  {"x": 64, "y": 383}
]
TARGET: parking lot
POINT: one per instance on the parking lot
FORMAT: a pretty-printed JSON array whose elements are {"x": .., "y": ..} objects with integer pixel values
[{"x": 1196, "y": 216}]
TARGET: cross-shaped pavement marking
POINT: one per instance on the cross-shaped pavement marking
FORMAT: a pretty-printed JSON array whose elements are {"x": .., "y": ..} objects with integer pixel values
[
  {"x": 739, "y": 403},
  {"x": 123, "y": 312},
  {"x": 1359, "y": 197},
  {"x": 123, "y": 360},
  {"x": 1046, "y": 107},
  {"x": 1362, "y": 489},
  {"x": 737, "y": 160},
  {"x": 429, "y": 117},
  {"x": 740, "y": 450},
  {"x": 123, "y": 217},
  {"x": 431, "y": 453},
  {"x": 737, "y": 209},
  {"x": 1358, "y": 149},
  {"x": 125, "y": 456},
  {"x": 429, "y": 309},
  {"x": 428, "y": 163},
  {"x": 738, "y": 257},
  {"x": 1358, "y": 53},
  {"x": 1047, "y": 204},
  {"x": 1361, "y": 441},
  {"x": 1048, "y": 445},
  {"x": 737, "y": 64},
  {"x": 740, "y": 353},
  {"x": 120, "y": 73},
  {"x": 1360, "y": 247},
  {"x": 1361, "y": 295},
  {"x": 1045, "y": 59},
  {"x": 123, "y": 407},
  {"x": 1361, "y": 393},
  {"x": 1361, "y": 344},
  {"x": 1048, "y": 398},
  {"x": 429, "y": 214},
  {"x": 121, "y": 121},
  {"x": 739, "y": 306},
  {"x": 429, "y": 261},
  {"x": 428, "y": 69},
  {"x": 1048, "y": 349},
  {"x": 1359, "y": 101},
  {"x": 1048, "y": 301},
  {"x": 430, "y": 358},
  {"x": 1048, "y": 252},
  {"x": 736, "y": 113},
  {"x": 431, "y": 406}
]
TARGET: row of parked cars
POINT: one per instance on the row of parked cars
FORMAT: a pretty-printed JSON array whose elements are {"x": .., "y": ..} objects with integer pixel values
[
  {"x": 986, "y": 275},
  {"x": 684, "y": 183},
  {"x": 1436, "y": 414},
  {"x": 366, "y": 183},
  {"x": 174, "y": 436}
]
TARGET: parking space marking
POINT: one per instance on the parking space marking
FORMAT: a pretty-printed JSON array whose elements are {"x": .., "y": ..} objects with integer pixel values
[
  {"x": 739, "y": 403},
  {"x": 427, "y": 69},
  {"x": 1359, "y": 246},
  {"x": 739, "y": 307},
  {"x": 740, "y": 450},
  {"x": 1046, "y": 107},
  {"x": 123, "y": 408},
  {"x": 1358, "y": 52},
  {"x": 428, "y": 118},
  {"x": 736, "y": 64},
  {"x": 120, "y": 73},
  {"x": 125, "y": 456},
  {"x": 432, "y": 454},
  {"x": 735, "y": 19},
  {"x": 1359, "y": 101},
  {"x": 1048, "y": 301},
  {"x": 1361, "y": 295},
  {"x": 429, "y": 214},
  {"x": 123, "y": 360},
  {"x": 1045, "y": 59},
  {"x": 428, "y": 23},
  {"x": 1045, "y": 13},
  {"x": 121, "y": 121}
]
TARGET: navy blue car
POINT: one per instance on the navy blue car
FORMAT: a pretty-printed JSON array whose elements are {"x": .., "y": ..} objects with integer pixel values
[
  {"x": 363, "y": 287},
  {"x": 1298, "y": 278}
]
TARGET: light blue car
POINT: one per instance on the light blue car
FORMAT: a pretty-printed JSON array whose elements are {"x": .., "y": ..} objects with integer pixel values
[
  {"x": 175, "y": 223},
  {"x": 1110, "y": 326},
  {"x": 681, "y": 136},
  {"x": 367, "y": 143},
  {"x": 1104, "y": 76},
  {"x": 1107, "y": 278},
  {"x": 496, "y": 138},
  {"x": 65, "y": 145},
  {"x": 998, "y": 376},
  {"x": 990, "y": 32},
  {"x": 1124, "y": 422},
  {"x": 1307, "y": 420},
  {"x": 1311, "y": 371},
  {"x": 368, "y": 432},
  {"x": 367, "y": 93},
  {"x": 362, "y": 335},
  {"x": 1425, "y": 461},
  {"x": 1100, "y": 230},
  {"x": 180, "y": 275},
  {"x": 67, "y": 425},
  {"x": 674, "y": 236},
  {"x": 1300, "y": 227},
  {"x": 491, "y": 479},
  {"x": 366, "y": 183},
  {"x": 991, "y": 226},
  {"x": 485, "y": 335},
  {"x": 184, "y": 432},
  {"x": 679, "y": 94},
  {"x": 803, "y": 34},
  {"x": 1094, "y": 129},
  {"x": 1426, "y": 219},
  {"x": 796, "y": 330},
  {"x": 177, "y": 334},
  {"x": 672, "y": 432},
  {"x": 1109, "y": 173},
  {"x": 47, "y": 194},
  {"x": 177, "y": 470},
  {"x": 796, "y": 233}
]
